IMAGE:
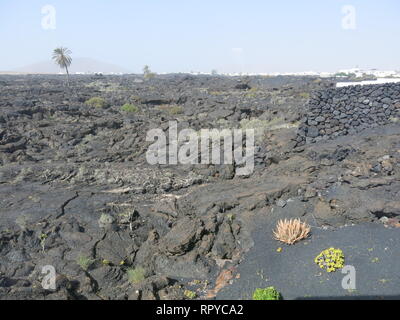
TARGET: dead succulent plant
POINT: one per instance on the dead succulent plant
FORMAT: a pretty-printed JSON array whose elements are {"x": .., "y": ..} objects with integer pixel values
[{"x": 291, "y": 231}]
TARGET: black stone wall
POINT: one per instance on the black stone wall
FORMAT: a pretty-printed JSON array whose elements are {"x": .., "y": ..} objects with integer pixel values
[{"x": 340, "y": 111}]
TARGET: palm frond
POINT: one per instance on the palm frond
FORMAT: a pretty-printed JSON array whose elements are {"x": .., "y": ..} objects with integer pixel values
[{"x": 61, "y": 56}]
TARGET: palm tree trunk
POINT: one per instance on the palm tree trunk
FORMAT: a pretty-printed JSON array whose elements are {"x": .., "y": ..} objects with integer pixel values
[{"x": 66, "y": 69}]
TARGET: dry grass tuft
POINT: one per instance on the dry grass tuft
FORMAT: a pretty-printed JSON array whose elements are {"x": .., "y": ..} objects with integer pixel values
[{"x": 291, "y": 231}]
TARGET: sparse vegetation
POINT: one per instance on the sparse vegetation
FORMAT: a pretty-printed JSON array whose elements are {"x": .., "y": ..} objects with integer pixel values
[
  {"x": 304, "y": 95},
  {"x": 96, "y": 102},
  {"x": 43, "y": 238},
  {"x": 216, "y": 93},
  {"x": 190, "y": 294},
  {"x": 136, "y": 275},
  {"x": 262, "y": 126},
  {"x": 252, "y": 93},
  {"x": 256, "y": 123},
  {"x": 171, "y": 109},
  {"x": 127, "y": 107},
  {"x": 134, "y": 228},
  {"x": 175, "y": 110},
  {"x": 269, "y": 293},
  {"x": 106, "y": 220},
  {"x": 291, "y": 231},
  {"x": 84, "y": 262},
  {"x": 230, "y": 217},
  {"x": 106, "y": 262}
]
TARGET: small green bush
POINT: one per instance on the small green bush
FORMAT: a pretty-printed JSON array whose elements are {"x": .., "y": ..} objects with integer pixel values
[
  {"x": 266, "y": 294},
  {"x": 304, "y": 95},
  {"x": 149, "y": 75},
  {"x": 84, "y": 262},
  {"x": 252, "y": 93},
  {"x": 136, "y": 275},
  {"x": 97, "y": 102},
  {"x": 171, "y": 109},
  {"x": 190, "y": 294},
  {"x": 129, "y": 108},
  {"x": 330, "y": 259},
  {"x": 175, "y": 110}
]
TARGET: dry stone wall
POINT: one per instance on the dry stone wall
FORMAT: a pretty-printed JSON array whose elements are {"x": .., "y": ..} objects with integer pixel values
[{"x": 340, "y": 111}]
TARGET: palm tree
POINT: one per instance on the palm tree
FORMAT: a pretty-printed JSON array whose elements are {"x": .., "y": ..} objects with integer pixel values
[
  {"x": 61, "y": 56},
  {"x": 147, "y": 73},
  {"x": 146, "y": 69}
]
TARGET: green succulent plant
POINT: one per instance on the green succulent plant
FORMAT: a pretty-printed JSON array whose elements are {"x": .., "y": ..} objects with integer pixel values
[
  {"x": 190, "y": 294},
  {"x": 129, "y": 108},
  {"x": 269, "y": 293},
  {"x": 96, "y": 102},
  {"x": 136, "y": 275},
  {"x": 84, "y": 262},
  {"x": 330, "y": 259}
]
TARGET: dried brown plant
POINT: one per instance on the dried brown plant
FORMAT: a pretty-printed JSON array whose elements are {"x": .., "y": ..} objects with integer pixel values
[{"x": 291, "y": 231}]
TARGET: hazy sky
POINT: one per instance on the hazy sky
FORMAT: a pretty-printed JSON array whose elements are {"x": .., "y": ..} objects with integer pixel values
[{"x": 189, "y": 35}]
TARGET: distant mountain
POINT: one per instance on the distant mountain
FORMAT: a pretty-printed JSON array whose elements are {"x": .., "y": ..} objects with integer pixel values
[{"x": 84, "y": 65}]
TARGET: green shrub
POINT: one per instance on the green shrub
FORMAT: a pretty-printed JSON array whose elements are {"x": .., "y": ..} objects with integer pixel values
[
  {"x": 304, "y": 95},
  {"x": 266, "y": 294},
  {"x": 84, "y": 262},
  {"x": 252, "y": 93},
  {"x": 175, "y": 110},
  {"x": 136, "y": 275},
  {"x": 129, "y": 108},
  {"x": 330, "y": 259},
  {"x": 149, "y": 75},
  {"x": 97, "y": 102},
  {"x": 190, "y": 294},
  {"x": 171, "y": 109}
]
